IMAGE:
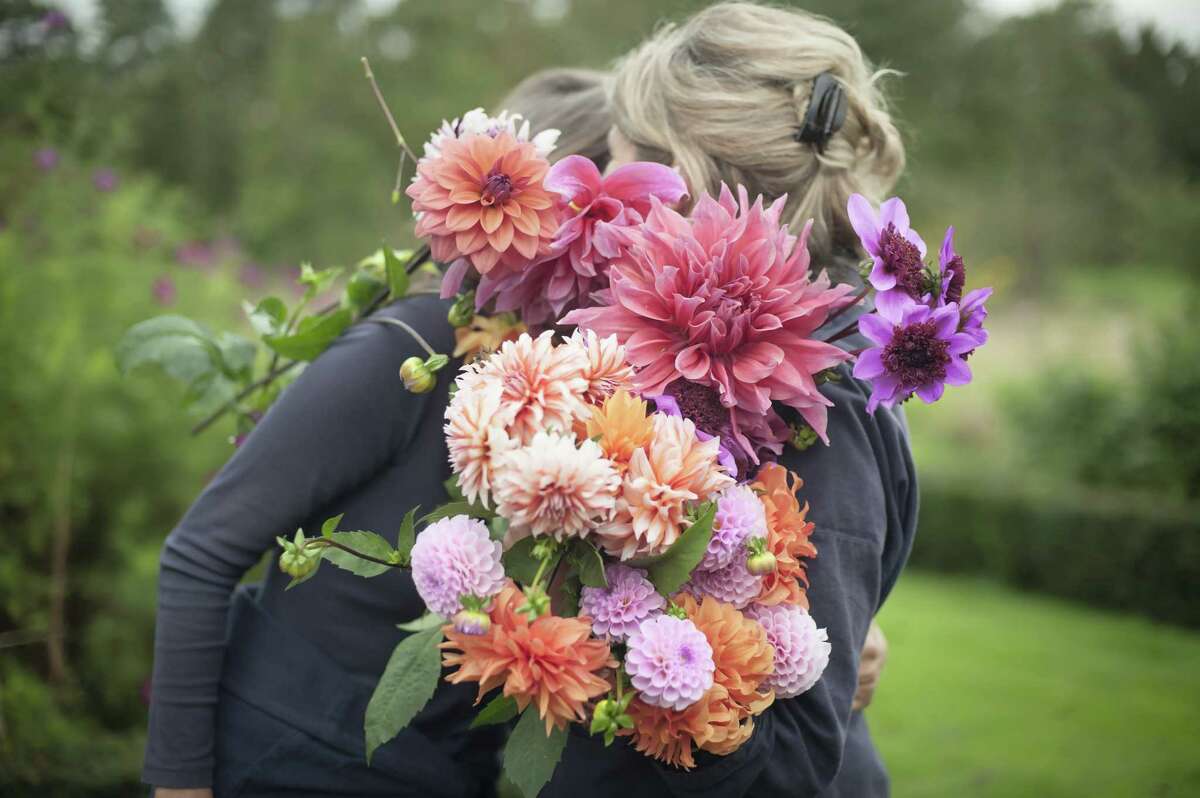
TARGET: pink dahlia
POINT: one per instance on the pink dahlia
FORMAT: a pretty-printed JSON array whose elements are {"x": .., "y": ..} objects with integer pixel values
[
  {"x": 669, "y": 662},
  {"x": 740, "y": 516},
  {"x": 599, "y": 210},
  {"x": 541, "y": 384},
  {"x": 455, "y": 557},
  {"x": 801, "y": 649},
  {"x": 732, "y": 584},
  {"x": 480, "y": 201},
  {"x": 554, "y": 487},
  {"x": 475, "y": 435},
  {"x": 723, "y": 299},
  {"x": 629, "y": 599},
  {"x": 607, "y": 370}
]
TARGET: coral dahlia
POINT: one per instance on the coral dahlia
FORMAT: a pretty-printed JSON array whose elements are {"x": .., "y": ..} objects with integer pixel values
[{"x": 789, "y": 536}]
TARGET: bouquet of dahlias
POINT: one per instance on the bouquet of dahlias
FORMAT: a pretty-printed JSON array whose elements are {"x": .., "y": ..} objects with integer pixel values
[{"x": 620, "y": 549}]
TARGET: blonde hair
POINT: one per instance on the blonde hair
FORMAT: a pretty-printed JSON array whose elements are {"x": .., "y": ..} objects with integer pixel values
[
  {"x": 722, "y": 96},
  {"x": 575, "y": 101}
]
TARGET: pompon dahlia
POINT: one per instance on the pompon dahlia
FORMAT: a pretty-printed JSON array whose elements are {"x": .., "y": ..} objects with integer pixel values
[
  {"x": 455, "y": 557},
  {"x": 732, "y": 584},
  {"x": 607, "y": 370},
  {"x": 481, "y": 200},
  {"x": 617, "y": 610},
  {"x": 475, "y": 436},
  {"x": 723, "y": 299},
  {"x": 789, "y": 536},
  {"x": 620, "y": 426},
  {"x": 801, "y": 649},
  {"x": 669, "y": 662},
  {"x": 552, "y": 662},
  {"x": 544, "y": 384},
  {"x": 663, "y": 479},
  {"x": 599, "y": 212},
  {"x": 554, "y": 487},
  {"x": 739, "y": 517},
  {"x": 723, "y": 719}
]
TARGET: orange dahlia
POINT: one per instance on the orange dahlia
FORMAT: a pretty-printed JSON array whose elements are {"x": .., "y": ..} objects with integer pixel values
[
  {"x": 482, "y": 198},
  {"x": 485, "y": 334},
  {"x": 619, "y": 426},
  {"x": 552, "y": 662},
  {"x": 722, "y": 720},
  {"x": 788, "y": 536}
]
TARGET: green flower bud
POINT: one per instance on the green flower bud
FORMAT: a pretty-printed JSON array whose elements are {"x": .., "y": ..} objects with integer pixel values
[
  {"x": 472, "y": 622},
  {"x": 297, "y": 560},
  {"x": 675, "y": 611},
  {"x": 760, "y": 560},
  {"x": 537, "y": 603},
  {"x": 462, "y": 312},
  {"x": 417, "y": 376},
  {"x": 803, "y": 436}
]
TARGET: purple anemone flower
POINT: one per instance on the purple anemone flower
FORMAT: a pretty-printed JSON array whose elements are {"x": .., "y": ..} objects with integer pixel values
[
  {"x": 971, "y": 309},
  {"x": 917, "y": 349},
  {"x": 897, "y": 250}
]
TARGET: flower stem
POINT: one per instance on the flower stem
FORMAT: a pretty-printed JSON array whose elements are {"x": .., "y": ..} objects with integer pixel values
[
  {"x": 327, "y": 542},
  {"x": 848, "y": 330},
  {"x": 407, "y": 328},
  {"x": 387, "y": 112},
  {"x": 858, "y": 298}
]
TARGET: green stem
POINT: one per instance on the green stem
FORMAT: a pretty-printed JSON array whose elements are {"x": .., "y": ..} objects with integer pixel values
[
  {"x": 387, "y": 112},
  {"x": 348, "y": 550},
  {"x": 407, "y": 328}
]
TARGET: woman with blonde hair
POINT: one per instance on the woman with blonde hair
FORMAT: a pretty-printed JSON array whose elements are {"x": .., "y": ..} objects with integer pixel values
[{"x": 783, "y": 103}]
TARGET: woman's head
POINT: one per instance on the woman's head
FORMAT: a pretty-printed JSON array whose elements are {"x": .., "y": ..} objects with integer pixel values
[
  {"x": 575, "y": 101},
  {"x": 723, "y": 95}
]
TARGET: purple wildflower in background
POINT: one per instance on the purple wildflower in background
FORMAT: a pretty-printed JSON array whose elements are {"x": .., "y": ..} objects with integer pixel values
[
  {"x": 163, "y": 290},
  {"x": 55, "y": 20},
  {"x": 196, "y": 254},
  {"x": 104, "y": 180},
  {"x": 46, "y": 159},
  {"x": 897, "y": 250},
  {"x": 251, "y": 276},
  {"x": 917, "y": 349}
]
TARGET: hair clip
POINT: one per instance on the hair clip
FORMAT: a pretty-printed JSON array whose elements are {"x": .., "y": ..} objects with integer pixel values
[{"x": 826, "y": 112}]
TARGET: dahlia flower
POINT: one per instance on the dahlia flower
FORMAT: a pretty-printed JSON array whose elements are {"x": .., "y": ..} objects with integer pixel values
[
  {"x": 552, "y": 662},
  {"x": 485, "y": 334},
  {"x": 476, "y": 122},
  {"x": 544, "y": 384},
  {"x": 553, "y": 487},
  {"x": 917, "y": 350},
  {"x": 629, "y": 599},
  {"x": 801, "y": 649},
  {"x": 669, "y": 662},
  {"x": 663, "y": 480},
  {"x": 452, "y": 558},
  {"x": 475, "y": 435},
  {"x": 732, "y": 583},
  {"x": 897, "y": 250},
  {"x": 599, "y": 212},
  {"x": 481, "y": 201},
  {"x": 722, "y": 720},
  {"x": 722, "y": 299},
  {"x": 789, "y": 536},
  {"x": 739, "y": 517},
  {"x": 607, "y": 370},
  {"x": 620, "y": 426}
]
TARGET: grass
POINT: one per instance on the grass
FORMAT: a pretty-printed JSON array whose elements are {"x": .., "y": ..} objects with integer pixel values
[{"x": 992, "y": 693}]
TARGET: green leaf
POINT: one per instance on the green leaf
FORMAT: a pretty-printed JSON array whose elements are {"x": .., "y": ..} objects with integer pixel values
[
  {"x": 317, "y": 280},
  {"x": 569, "y": 597},
  {"x": 430, "y": 620},
  {"x": 179, "y": 346},
  {"x": 362, "y": 289},
  {"x": 268, "y": 317},
  {"x": 312, "y": 336},
  {"x": 457, "y": 508},
  {"x": 331, "y": 524},
  {"x": 672, "y": 569},
  {"x": 397, "y": 271},
  {"x": 453, "y": 490},
  {"x": 589, "y": 564},
  {"x": 406, "y": 686},
  {"x": 365, "y": 542},
  {"x": 237, "y": 354},
  {"x": 500, "y": 709},
  {"x": 407, "y": 535},
  {"x": 519, "y": 562},
  {"x": 530, "y": 756},
  {"x": 208, "y": 392}
]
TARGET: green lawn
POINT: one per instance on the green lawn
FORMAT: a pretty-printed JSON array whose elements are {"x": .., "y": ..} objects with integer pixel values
[{"x": 992, "y": 692}]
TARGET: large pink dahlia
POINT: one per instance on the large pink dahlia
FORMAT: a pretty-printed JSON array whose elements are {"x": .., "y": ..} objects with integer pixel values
[{"x": 723, "y": 299}]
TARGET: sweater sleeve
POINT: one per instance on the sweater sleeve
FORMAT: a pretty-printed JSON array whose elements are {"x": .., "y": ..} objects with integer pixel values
[{"x": 342, "y": 420}]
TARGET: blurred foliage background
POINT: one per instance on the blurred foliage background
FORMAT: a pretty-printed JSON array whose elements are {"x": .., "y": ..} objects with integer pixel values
[{"x": 141, "y": 169}]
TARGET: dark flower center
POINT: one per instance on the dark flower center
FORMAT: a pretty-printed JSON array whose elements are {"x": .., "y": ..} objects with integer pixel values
[
  {"x": 701, "y": 404},
  {"x": 902, "y": 259},
  {"x": 916, "y": 356},
  {"x": 956, "y": 272},
  {"x": 497, "y": 188}
]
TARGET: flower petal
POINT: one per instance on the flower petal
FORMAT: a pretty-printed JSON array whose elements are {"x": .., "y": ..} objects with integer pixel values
[
  {"x": 865, "y": 222},
  {"x": 869, "y": 364},
  {"x": 637, "y": 182}
]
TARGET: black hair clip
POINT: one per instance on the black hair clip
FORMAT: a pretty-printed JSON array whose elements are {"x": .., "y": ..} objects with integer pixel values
[{"x": 826, "y": 112}]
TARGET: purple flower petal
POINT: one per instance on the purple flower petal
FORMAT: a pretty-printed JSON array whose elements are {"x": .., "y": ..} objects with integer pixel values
[
  {"x": 865, "y": 222},
  {"x": 957, "y": 372},
  {"x": 931, "y": 393},
  {"x": 869, "y": 364},
  {"x": 876, "y": 329}
]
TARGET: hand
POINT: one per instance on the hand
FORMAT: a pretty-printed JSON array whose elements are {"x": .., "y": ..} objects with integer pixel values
[
  {"x": 870, "y": 665},
  {"x": 190, "y": 792}
]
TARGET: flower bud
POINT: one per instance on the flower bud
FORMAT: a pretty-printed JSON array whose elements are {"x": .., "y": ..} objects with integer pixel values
[
  {"x": 604, "y": 716},
  {"x": 417, "y": 376},
  {"x": 472, "y": 622},
  {"x": 759, "y": 560},
  {"x": 803, "y": 436},
  {"x": 297, "y": 561},
  {"x": 462, "y": 312}
]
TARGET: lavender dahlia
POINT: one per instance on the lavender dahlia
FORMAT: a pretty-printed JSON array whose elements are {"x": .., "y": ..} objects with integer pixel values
[
  {"x": 618, "y": 610},
  {"x": 669, "y": 662},
  {"x": 801, "y": 649},
  {"x": 732, "y": 584},
  {"x": 739, "y": 516},
  {"x": 454, "y": 558},
  {"x": 917, "y": 350}
]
